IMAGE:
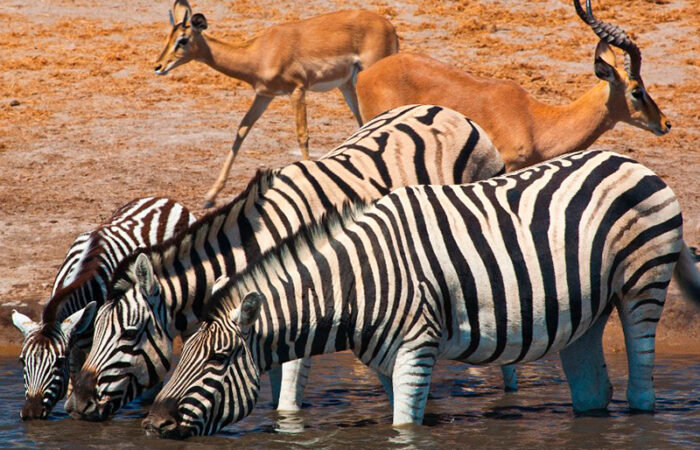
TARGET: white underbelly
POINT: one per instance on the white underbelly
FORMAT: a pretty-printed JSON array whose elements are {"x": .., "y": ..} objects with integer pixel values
[{"x": 328, "y": 78}]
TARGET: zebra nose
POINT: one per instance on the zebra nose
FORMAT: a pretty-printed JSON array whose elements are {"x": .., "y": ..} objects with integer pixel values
[
  {"x": 162, "y": 420},
  {"x": 33, "y": 408}
]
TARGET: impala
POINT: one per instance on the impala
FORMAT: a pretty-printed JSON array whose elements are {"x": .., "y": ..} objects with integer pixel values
[
  {"x": 317, "y": 54},
  {"x": 524, "y": 130}
]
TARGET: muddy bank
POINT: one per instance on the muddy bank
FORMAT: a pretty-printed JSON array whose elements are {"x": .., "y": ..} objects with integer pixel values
[{"x": 85, "y": 125}]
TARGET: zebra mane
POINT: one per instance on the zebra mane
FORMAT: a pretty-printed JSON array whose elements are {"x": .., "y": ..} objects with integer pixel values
[
  {"x": 312, "y": 234},
  {"x": 166, "y": 251},
  {"x": 50, "y": 314}
]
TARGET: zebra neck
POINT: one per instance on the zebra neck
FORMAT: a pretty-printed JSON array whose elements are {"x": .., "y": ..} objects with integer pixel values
[
  {"x": 310, "y": 306},
  {"x": 86, "y": 283}
]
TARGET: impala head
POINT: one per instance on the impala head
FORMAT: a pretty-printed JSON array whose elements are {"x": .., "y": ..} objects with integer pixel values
[
  {"x": 44, "y": 358},
  {"x": 216, "y": 381},
  {"x": 131, "y": 350},
  {"x": 631, "y": 103},
  {"x": 185, "y": 40}
]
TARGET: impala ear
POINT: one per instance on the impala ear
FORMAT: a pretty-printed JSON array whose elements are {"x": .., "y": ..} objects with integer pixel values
[
  {"x": 79, "y": 321},
  {"x": 605, "y": 64},
  {"x": 249, "y": 311},
  {"x": 23, "y": 323},
  {"x": 144, "y": 275},
  {"x": 199, "y": 22}
]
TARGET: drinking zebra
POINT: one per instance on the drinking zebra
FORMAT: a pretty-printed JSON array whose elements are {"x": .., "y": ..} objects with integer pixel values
[
  {"x": 497, "y": 272},
  {"x": 51, "y": 348},
  {"x": 134, "y": 330}
]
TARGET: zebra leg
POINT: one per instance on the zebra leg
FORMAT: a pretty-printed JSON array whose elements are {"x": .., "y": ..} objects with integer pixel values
[
  {"x": 388, "y": 387},
  {"x": 275, "y": 375},
  {"x": 295, "y": 374},
  {"x": 639, "y": 317},
  {"x": 585, "y": 369},
  {"x": 411, "y": 383},
  {"x": 510, "y": 378}
]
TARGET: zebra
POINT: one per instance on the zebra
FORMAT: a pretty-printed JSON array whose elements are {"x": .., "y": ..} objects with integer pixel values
[
  {"x": 502, "y": 271},
  {"x": 55, "y": 346},
  {"x": 135, "y": 328}
]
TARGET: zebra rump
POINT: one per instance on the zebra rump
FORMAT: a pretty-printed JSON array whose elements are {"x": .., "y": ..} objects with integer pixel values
[
  {"x": 54, "y": 347},
  {"x": 502, "y": 271}
]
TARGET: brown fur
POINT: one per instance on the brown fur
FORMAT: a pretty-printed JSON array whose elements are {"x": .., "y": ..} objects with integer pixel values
[{"x": 523, "y": 129}]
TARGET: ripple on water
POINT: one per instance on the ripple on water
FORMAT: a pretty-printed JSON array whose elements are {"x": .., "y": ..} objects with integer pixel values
[{"x": 346, "y": 406}]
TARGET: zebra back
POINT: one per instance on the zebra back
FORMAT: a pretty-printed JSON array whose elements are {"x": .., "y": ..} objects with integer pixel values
[{"x": 85, "y": 273}]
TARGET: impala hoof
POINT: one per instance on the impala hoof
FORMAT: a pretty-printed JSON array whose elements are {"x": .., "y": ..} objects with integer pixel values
[{"x": 209, "y": 204}]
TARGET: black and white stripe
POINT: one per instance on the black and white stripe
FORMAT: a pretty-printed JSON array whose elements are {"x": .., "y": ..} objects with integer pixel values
[
  {"x": 83, "y": 278},
  {"x": 497, "y": 272},
  {"x": 134, "y": 330}
]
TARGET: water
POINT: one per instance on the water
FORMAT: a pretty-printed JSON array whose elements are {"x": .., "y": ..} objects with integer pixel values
[{"x": 345, "y": 406}]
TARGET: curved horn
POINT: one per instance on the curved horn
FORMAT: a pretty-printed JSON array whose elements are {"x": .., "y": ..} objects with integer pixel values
[{"x": 613, "y": 35}]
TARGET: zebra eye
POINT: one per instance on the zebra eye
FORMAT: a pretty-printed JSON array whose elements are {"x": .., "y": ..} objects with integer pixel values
[
  {"x": 60, "y": 360},
  {"x": 130, "y": 334},
  {"x": 219, "y": 358}
]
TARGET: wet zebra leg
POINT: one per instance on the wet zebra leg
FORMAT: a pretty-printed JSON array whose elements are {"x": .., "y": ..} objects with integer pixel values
[{"x": 585, "y": 369}]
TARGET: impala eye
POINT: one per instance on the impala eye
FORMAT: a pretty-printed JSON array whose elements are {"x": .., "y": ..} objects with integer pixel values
[
  {"x": 181, "y": 42},
  {"x": 637, "y": 93}
]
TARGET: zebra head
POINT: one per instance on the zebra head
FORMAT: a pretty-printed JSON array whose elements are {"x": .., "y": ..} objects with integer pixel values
[
  {"x": 216, "y": 381},
  {"x": 131, "y": 350},
  {"x": 44, "y": 358}
]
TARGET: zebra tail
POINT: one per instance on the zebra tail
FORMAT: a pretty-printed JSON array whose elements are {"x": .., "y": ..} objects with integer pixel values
[{"x": 687, "y": 275}]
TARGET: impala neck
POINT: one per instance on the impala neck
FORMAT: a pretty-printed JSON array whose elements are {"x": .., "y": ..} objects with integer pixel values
[
  {"x": 572, "y": 127},
  {"x": 232, "y": 59}
]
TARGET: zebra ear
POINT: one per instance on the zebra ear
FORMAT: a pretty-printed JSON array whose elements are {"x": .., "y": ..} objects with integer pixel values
[
  {"x": 219, "y": 283},
  {"x": 249, "y": 310},
  {"x": 23, "y": 323},
  {"x": 144, "y": 275},
  {"x": 79, "y": 321}
]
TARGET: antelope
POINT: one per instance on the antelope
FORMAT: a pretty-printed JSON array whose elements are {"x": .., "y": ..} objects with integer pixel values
[
  {"x": 524, "y": 130},
  {"x": 317, "y": 54}
]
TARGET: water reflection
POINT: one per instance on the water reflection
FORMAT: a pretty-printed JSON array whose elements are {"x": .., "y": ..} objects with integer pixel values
[{"x": 346, "y": 406}]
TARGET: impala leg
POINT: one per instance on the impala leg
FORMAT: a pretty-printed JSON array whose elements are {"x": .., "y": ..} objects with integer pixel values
[
  {"x": 298, "y": 98},
  {"x": 258, "y": 107},
  {"x": 585, "y": 369},
  {"x": 350, "y": 96}
]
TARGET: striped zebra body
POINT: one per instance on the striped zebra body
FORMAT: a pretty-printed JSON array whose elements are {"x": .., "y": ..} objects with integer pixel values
[
  {"x": 135, "y": 329},
  {"x": 502, "y": 271},
  {"x": 53, "y": 348}
]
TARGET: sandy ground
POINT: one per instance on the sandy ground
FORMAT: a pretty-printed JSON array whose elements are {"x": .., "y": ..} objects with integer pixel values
[{"x": 85, "y": 125}]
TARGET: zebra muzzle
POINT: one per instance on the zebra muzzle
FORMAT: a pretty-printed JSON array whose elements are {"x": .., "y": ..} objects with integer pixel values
[
  {"x": 33, "y": 408},
  {"x": 162, "y": 421}
]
